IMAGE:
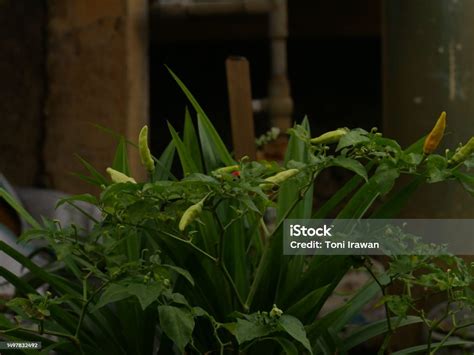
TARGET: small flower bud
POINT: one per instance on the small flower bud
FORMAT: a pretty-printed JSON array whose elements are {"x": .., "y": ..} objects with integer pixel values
[{"x": 276, "y": 312}]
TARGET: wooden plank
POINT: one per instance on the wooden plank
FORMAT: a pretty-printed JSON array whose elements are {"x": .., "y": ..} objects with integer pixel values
[{"x": 240, "y": 105}]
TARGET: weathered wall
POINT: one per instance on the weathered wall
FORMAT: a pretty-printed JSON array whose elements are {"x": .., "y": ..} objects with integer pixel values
[
  {"x": 97, "y": 74},
  {"x": 428, "y": 56},
  {"x": 22, "y": 89}
]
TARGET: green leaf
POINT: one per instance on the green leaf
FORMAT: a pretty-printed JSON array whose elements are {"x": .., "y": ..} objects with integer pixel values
[
  {"x": 96, "y": 178},
  {"x": 466, "y": 180},
  {"x": 421, "y": 349},
  {"x": 121, "y": 158},
  {"x": 248, "y": 330},
  {"x": 352, "y": 165},
  {"x": 177, "y": 324},
  {"x": 184, "y": 155},
  {"x": 112, "y": 293},
  {"x": 295, "y": 329},
  {"x": 309, "y": 304},
  {"x": 287, "y": 346},
  {"x": 392, "y": 207},
  {"x": 181, "y": 272},
  {"x": 338, "y": 318},
  {"x": 211, "y": 158},
  {"x": 164, "y": 163},
  {"x": 190, "y": 140},
  {"x": 205, "y": 126},
  {"x": 361, "y": 201},
  {"x": 18, "y": 208},
  {"x": 385, "y": 177},
  {"x": 62, "y": 285},
  {"x": 146, "y": 293},
  {"x": 88, "y": 198},
  {"x": 20, "y": 285},
  {"x": 360, "y": 336},
  {"x": 340, "y": 195},
  {"x": 352, "y": 138}
]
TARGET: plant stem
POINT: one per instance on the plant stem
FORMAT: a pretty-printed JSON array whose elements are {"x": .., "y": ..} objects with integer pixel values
[
  {"x": 234, "y": 287},
  {"x": 195, "y": 247},
  {"x": 389, "y": 334},
  {"x": 259, "y": 273},
  {"x": 435, "y": 325},
  {"x": 86, "y": 304}
]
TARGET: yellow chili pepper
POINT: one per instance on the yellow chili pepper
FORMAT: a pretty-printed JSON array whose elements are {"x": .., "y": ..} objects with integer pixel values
[
  {"x": 226, "y": 169},
  {"x": 278, "y": 178},
  {"x": 463, "y": 153},
  {"x": 191, "y": 214},
  {"x": 436, "y": 135},
  {"x": 145, "y": 154},
  {"x": 330, "y": 137},
  {"x": 118, "y": 177}
]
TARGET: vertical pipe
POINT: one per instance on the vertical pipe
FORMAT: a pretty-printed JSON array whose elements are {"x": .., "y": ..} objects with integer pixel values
[{"x": 280, "y": 103}]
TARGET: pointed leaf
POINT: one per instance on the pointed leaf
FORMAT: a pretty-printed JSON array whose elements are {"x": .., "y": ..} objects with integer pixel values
[
  {"x": 352, "y": 165},
  {"x": 120, "y": 162},
  {"x": 177, "y": 324},
  {"x": 206, "y": 124},
  {"x": 190, "y": 140},
  {"x": 295, "y": 329},
  {"x": 184, "y": 155}
]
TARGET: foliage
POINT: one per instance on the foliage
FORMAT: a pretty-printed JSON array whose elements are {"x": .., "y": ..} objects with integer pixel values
[{"x": 138, "y": 283}]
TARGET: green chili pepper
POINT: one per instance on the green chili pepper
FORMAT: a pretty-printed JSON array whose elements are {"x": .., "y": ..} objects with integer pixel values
[
  {"x": 145, "y": 154},
  {"x": 191, "y": 214},
  {"x": 118, "y": 177},
  {"x": 330, "y": 137},
  {"x": 226, "y": 169},
  {"x": 277, "y": 179},
  {"x": 436, "y": 135},
  {"x": 463, "y": 153}
]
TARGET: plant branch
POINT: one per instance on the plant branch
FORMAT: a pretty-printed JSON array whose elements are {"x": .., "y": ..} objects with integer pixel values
[{"x": 259, "y": 273}]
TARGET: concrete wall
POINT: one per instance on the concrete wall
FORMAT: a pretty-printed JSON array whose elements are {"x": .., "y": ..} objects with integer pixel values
[
  {"x": 97, "y": 73},
  {"x": 66, "y": 65},
  {"x": 428, "y": 56}
]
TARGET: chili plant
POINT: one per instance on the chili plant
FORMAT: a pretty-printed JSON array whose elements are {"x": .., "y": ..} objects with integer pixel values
[{"x": 190, "y": 265}]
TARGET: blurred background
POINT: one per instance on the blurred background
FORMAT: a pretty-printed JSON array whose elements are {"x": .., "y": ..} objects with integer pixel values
[{"x": 68, "y": 65}]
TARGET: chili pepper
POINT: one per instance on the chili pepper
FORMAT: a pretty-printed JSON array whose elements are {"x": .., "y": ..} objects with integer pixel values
[
  {"x": 330, "y": 137},
  {"x": 118, "y": 177},
  {"x": 226, "y": 169},
  {"x": 191, "y": 214},
  {"x": 144, "y": 150},
  {"x": 463, "y": 153},
  {"x": 278, "y": 178},
  {"x": 236, "y": 173},
  {"x": 436, "y": 135}
]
